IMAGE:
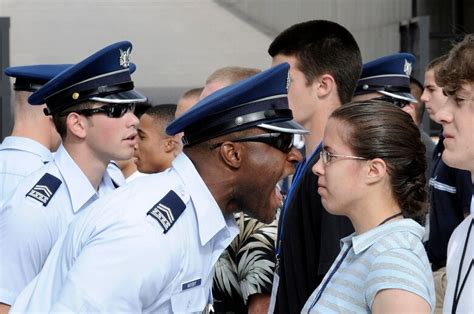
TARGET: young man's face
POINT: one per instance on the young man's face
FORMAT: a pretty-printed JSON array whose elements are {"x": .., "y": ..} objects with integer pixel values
[
  {"x": 152, "y": 154},
  {"x": 111, "y": 138},
  {"x": 432, "y": 95},
  {"x": 457, "y": 118},
  {"x": 301, "y": 94}
]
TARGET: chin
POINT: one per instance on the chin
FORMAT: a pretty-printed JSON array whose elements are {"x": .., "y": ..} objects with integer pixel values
[{"x": 453, "y": 161}]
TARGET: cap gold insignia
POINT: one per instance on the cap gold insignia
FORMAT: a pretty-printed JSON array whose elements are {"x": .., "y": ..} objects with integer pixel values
[
  {"x": 75, "y": 95},
  {"x": 125, "y": 58},
  {"x": 407, "y": 67}
]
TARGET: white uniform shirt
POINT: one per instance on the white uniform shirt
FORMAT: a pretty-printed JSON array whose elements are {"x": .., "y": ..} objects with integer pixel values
[
  {"x": 456, "y": 247},
  {"x": 29, "y": 229},
  {"x": 19, "y": 157},
  {"x": 117, "y": 258}
]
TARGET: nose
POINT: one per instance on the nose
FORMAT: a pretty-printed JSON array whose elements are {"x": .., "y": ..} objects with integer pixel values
[
  {"x": 132, "y": 119},
  {"x": 424, "y": 96},
  {"x": 294, "y": 155},
  {"x": 444, "y": 114},
  {"x": 318, "y": 168},
  {"x": 292, "y": 158}
]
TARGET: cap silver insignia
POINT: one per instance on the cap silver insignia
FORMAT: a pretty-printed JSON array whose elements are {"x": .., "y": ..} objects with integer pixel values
[
  {"x": 288, "y": 81},
  {"x": 407, "y": 67},
  {"x": 125, "y": 58},
  {"x": 239, "y": 120}
]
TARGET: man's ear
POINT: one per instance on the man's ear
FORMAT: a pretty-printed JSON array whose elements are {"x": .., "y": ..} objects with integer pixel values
[
  {"x": 325, "y": 85},
  {"x": 411, "y": 110},
  {"x": 377, "y": 170},
  {"x": 232, "y": 154},
  {"x": 76, "y": 125},
  {"x": 171, "y": 143}
]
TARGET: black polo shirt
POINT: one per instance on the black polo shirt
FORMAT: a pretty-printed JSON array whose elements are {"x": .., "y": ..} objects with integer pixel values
[{"x": 450, "y": 199}]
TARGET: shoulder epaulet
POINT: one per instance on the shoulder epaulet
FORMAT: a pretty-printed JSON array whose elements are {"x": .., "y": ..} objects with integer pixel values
[
  {"x": 44, "y": 189},
  {"x": 167, "y": 210}
]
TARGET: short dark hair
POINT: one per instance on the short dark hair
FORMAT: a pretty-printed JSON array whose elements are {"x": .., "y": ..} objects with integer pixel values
[
  {"x": 378, "y": 129},
  {"x": 322, "y": 47},
  {"x": 140, "y": 108},
  {"x": 164, "y": 112},
  {"x": 59, "y": 119},
  {"x": 458, "y": 68}
]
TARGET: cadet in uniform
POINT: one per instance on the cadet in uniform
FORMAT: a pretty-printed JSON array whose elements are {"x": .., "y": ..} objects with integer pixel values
[
  {"x": 92, "y": 106},
  {"x": 33, "y": 137},
  {"x": 152, "y": 245}
]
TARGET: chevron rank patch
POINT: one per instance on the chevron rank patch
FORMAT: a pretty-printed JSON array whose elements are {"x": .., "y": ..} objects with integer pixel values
[
  {"x": 167, "y": 210},
  {"x": 45, "y": 189}
]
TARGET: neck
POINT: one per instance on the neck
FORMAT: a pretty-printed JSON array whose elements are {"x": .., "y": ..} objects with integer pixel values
[
  {"x": 92, "y": 166},
  {"x": 219, "y": 181},
  {"x": 317, "y": 124},
  {"x": 371, "y": 216}
]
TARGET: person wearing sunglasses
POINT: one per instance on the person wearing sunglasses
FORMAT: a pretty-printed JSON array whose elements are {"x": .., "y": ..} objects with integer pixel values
[
  {"x": 371, "y": 170},
  {"x": 91, "y": 104},
  {"x": 151, "y": 245},
  {"x": 243, "y": 274}
]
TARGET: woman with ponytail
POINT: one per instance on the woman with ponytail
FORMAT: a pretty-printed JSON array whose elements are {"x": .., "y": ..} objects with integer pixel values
[{"x": 372, "y": 170}]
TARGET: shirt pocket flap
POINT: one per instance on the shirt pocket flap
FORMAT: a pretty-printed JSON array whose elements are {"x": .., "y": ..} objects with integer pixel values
[{"x": 190, "y": 300}]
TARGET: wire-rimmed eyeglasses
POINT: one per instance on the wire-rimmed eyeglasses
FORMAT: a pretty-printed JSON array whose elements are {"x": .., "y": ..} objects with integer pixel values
[{"x": 327, "y": 157}]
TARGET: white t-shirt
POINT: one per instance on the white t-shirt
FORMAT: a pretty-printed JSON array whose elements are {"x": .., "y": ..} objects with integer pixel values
[{"x": 461, "y": 241}]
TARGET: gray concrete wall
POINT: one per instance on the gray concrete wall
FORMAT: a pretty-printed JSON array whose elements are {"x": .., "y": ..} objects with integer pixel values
[
  {"x": 374, "y": 23},
  {"x": 177, "y": 43}
]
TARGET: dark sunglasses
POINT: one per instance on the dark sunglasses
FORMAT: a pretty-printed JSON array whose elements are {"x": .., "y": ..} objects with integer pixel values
[
  {"x": 110, "y": 110},
  {"x": 280, "y": 141}
]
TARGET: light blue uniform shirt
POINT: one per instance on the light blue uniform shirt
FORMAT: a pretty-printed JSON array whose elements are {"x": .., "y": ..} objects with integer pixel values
[
  {"x": 28, "y": 230},
  {"x": 390, "y": 256},
  {"x": 117, "y": 258},
  {"x": 19, "y": 157}
]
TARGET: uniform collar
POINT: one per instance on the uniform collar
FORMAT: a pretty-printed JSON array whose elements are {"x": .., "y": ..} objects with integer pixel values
[
  {"x": 209, "y": 216},
  {"x": 362, "y": 242},
  {"x": 28, "y": 145},
  {"x": 81, "y": 191}
]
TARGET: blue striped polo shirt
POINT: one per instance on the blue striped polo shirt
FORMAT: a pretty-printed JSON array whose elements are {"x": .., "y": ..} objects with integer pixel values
[{"x": 390, "y": 256}]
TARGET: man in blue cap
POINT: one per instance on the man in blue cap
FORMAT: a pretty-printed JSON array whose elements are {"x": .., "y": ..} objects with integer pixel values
[
  {"x": 91, "y": 104},
  {"x": 33, "y": 138},
  {"x": 152, "y": 245}
]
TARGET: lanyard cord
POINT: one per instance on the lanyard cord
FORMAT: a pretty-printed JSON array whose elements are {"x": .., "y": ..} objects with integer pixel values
[
  {"x": 298, "y": 174},
  {"x": 329, "y": 279},
  {"x": 457, "y": 295},
  {"x": 318, "y": 296}
]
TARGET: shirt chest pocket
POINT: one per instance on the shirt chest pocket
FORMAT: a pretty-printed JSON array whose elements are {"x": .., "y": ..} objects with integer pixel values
[{"x": 190, "y": 300}]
